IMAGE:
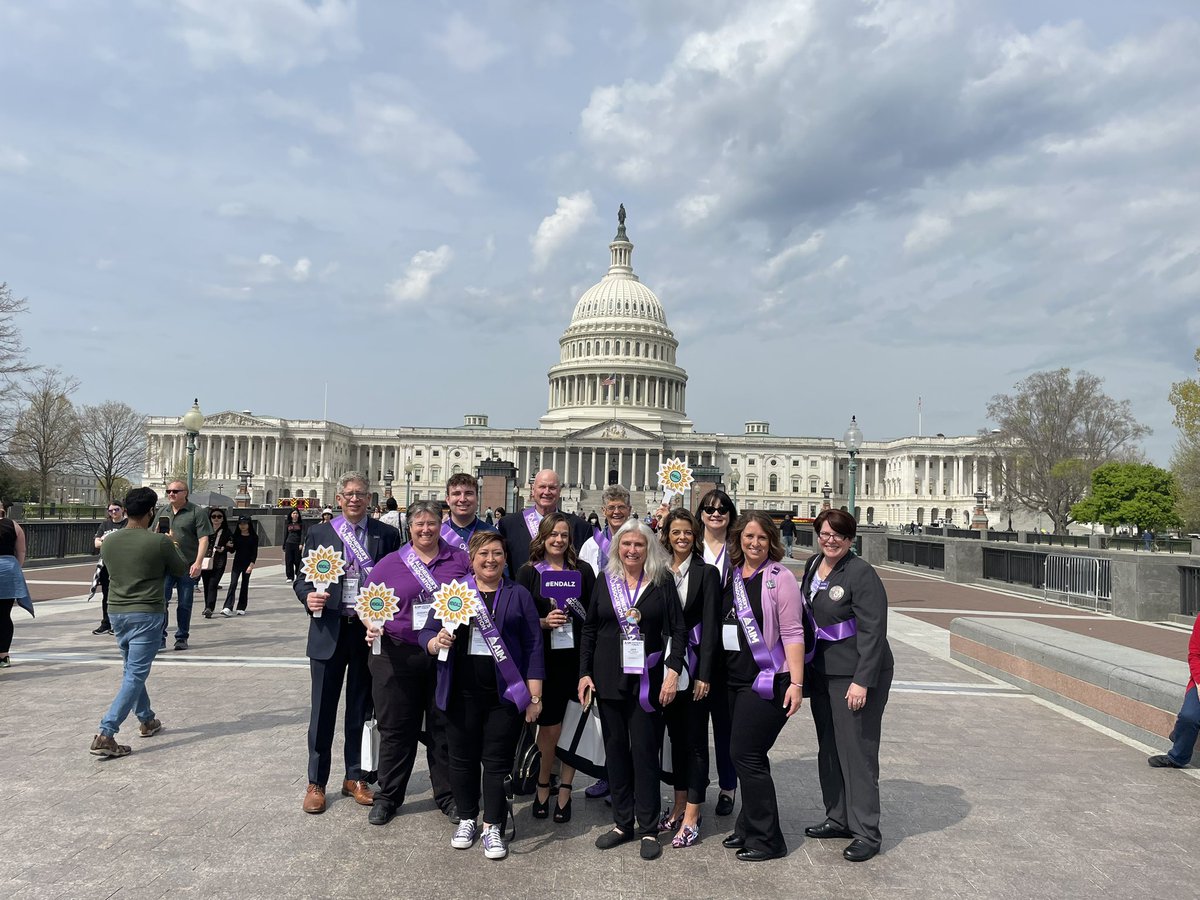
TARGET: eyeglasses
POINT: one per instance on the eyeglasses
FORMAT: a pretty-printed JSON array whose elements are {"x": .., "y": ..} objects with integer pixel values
[
  {"x": 176, "y": 490},
  {"x": 832, "y": 537},
  {"x": 355, "y": 495},
  {"x": 616, "y": 507},
  {"x": 716, "y": 510}
]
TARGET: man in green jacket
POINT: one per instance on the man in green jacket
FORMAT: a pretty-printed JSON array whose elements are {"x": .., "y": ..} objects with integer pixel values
[{"x": 137, "y": 560}]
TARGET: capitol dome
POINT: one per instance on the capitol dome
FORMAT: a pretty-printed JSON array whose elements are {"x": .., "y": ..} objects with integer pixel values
[{"x": 617, "y": 356}]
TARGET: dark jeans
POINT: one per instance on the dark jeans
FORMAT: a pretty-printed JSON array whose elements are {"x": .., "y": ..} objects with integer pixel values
[
  {"x": 632, "y": 742},
  {"x": 1187, "y": 725},
  {"x": 212, "y": 582},
  {"x": 687, "y": 723},
  {"x": 756, "y": 725},
  {"x": 719, "y": 710},
  {"x": 185, "y": 589},
  {"x": 233, "y": 583},
  {"x": 402, "y": 682},
  {"x": 6, "y": 626},
  {"x": 349, "y": 662},
  {"x": 291, "y": 560},
  {"x": 481, "y": 732}
]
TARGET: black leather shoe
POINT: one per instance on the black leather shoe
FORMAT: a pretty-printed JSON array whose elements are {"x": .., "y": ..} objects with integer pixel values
[
  {"x": 748, "y": 855},
  {"x": 382, "y": 812},
  {"x": 451, "y": 812},
  {"x": 859, "y": 851},
  {"x": 734, "y": 841},
  {"x": 1162, "y": 762},
  {"x": 826, "y": 830},
  {"x": 651, "y": 848},
  {"x": 724, "y": 804}
]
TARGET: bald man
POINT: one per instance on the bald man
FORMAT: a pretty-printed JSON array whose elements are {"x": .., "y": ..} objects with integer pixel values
[{"x": 519, "y": 528}]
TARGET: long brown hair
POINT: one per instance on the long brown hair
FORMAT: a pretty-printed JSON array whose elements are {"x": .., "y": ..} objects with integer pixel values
[
  {"x": 767, "y": 524},
  {"x": 537, "y": 547}
]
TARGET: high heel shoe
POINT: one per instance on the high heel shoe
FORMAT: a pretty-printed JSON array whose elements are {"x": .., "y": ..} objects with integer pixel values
[
  {"x": 563, "y": 813},
  {"x": 541, "y": 808}
]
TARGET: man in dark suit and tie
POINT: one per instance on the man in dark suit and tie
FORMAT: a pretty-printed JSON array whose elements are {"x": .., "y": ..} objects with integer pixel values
[
  {"x": 519, "y": 527},
  {"x": 337, "y": 640}
]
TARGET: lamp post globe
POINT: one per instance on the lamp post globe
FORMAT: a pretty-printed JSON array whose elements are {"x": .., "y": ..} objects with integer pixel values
[
  {"x": 192, "y": 421},
  {"x": 852, "y": 439},
  {"x": 408, "y": 474}
]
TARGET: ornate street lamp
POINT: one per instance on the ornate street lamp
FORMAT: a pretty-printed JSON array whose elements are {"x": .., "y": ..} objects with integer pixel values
[
  {"x": 826, "y": 492},
  {"x": 408, "y": 474},
  {"x": 193, "y": 421},
  {"x": 388, "y": 477},
  {"x": 979, "y": 520},
  {"x": 735, "y": 478},
  {"x": 852, "y": 439}
]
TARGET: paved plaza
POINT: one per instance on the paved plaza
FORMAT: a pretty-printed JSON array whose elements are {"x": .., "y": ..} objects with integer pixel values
[{"x": 987, "y": 791}]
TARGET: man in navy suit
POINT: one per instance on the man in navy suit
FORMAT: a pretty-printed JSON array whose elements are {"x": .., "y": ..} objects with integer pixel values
[
  {"x": 519, "y": 527},
  {"x": 337, "y": 640}
]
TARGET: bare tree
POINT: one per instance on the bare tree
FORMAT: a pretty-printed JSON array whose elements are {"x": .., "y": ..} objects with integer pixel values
[
  {"x": 12, "y": 350},
  {"x": 1055, "y": 431},
  {"x": 112, "y": 442},
  {"x": 45, "y": 438}
]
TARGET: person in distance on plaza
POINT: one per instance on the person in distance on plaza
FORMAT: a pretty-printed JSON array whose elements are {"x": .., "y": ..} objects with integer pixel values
[
  {"x": 218, "y": 552},
  {"x": 137, "y": 560},
  {"x": 462, "y": 498},
  {"x": 491, "y": 680},
  {"x": 336, "y": 648},
  {"x": 698, "y": 586},
  {"x": 13, "y": 590},
  {"x": 402, "y": 674},
  {"x": 244, "y": 543},
  {"x": 623, "y": 662},
  {"x": 326, "y": 516},
  {"x": 850, "y": 676},
  {"x": 189, "y": 526},
  {"x": 1187, "y": 723},
  {"x": 551, "y": 552},
  {"x": 114, "y": 522},
  {"x": 787, "y": 531},
  {"x": 718, "y": 514},
  {"x": 293, "y": 536},
  {"x": 520, "y": 528},
  {"x": 762, "y": 634},
  {"x": 391, "y": 515}
]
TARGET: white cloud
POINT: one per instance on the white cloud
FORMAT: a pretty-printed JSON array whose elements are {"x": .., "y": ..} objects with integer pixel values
[
  {"x": 12, "y": 159},
  {"x": 783, "y": 259},
  {"x": 466, "y": 47},
  {"x": 573, "y": 212},
  {"x": 277, "y": 35},
  {"x": 414, "y": 284},
  {"x": 271, "y": 268}
]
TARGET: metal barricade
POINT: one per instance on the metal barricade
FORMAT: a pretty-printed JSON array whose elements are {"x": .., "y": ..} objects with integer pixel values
[{"x": 1082, "y": 581}]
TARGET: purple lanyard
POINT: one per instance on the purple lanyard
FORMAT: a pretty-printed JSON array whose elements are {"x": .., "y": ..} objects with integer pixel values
[
  {"x": 767, "y": 660},
  {"x": 533, "y": 519},
  {"x": 359, "y": 556},
  {"x": 454, "y": 539},
  {"x": 516, "y": 691},
  {"x": 561, "y": 603}
]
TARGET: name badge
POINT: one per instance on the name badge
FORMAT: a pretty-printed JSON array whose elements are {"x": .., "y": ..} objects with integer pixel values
[
  {"x": 420, "y": 614},
  {"x": 562, "y": 637},
  {"x": 349, "y": 590},
  {"x": 729, "y": 636},
  {"x": 479, "y": 647},
  {"x": 633, "y": 656}
]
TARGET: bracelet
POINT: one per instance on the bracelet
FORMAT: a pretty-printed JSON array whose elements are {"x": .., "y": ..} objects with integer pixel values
[{"x": 797, "y": 684}]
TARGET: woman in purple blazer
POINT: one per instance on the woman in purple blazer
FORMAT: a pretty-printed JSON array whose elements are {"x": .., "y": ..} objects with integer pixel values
[{"x": 490, "y": 682}]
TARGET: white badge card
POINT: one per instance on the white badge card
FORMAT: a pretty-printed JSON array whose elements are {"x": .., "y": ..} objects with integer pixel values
[
  {"x": 633, "y": 654},
  {"x": 563, "y": 637},
  {"x": 729, "y": 636},
  {"x": 420, "y": 613},
  {"x": 479, "y": 647},
  {"x": 349, "y": 588}
]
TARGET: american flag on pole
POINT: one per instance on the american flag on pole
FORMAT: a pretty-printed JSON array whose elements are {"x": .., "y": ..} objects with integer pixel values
[{"x": 609, "y": 381}]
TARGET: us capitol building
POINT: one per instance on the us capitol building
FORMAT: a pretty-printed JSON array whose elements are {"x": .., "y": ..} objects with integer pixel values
[{"x": 617, "y": 407}]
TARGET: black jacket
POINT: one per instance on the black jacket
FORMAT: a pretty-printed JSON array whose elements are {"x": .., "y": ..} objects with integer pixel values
[
  {"x": 516, "y": 535},
  {"x": 864, "y": 655},
  {"x": 703, "y": 607}
]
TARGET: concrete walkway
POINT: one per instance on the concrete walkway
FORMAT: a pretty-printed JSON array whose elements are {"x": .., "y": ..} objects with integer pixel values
[{"x": 987, "y": 791}]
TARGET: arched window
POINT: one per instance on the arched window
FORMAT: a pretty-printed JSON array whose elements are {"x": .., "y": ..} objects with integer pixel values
[
  {"x": 607, "y": 348},
  {"x": 773, "y": 483}
]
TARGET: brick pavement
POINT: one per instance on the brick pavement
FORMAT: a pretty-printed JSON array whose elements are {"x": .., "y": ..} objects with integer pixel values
[{"x": 987, "y": 792}]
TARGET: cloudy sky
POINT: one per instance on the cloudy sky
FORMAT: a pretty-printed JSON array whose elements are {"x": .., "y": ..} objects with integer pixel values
[{"x": 842, "y": 205}]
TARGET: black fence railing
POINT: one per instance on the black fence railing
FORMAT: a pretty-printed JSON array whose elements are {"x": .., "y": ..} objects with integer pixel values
[
  {"x": 925, "y": 554},
  {"x": 1158, "y": 545},
  {"x": 1057, "y": 540},
  {"x": 1012, "y": 536},
  {"x": 1014, "y": 566},
  {"x": 55, "y": 540},
  {"x": 1189, "y": 591},
  {"x": 962, "y": 533}
]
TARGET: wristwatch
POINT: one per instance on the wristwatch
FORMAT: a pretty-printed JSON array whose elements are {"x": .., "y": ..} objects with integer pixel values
[{"x": 535, "y": 700}]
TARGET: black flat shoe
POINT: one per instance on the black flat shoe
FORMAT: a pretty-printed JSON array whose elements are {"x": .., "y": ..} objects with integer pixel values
[
  {"x": 724, "y": 805},
  {"x": 651, "y": 849},
  {"x": 748, "y": 855},
  {"x": 826, "y": 830},
  {"x": 541, "y": 808},
  {"x": 734, "y": 841},
  {"x": 859, "y": 851},
  {"x": 613, "y": 838},
  {"x": 381, "y": 812},
  {"x": 563, "y": 813}
]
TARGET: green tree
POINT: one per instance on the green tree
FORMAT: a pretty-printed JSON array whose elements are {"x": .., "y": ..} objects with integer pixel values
[
  {"x": 1054, "y": 431},
  {"x": 1185, "y": 463},
  {"x": 199, "y": 472},
  {"x": 1185, "y": 396},
  {"x": 1130, "y": 494}
]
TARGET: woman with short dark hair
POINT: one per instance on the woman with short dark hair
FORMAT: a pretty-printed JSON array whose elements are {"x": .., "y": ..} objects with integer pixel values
[{"x": 850, "y": 678}]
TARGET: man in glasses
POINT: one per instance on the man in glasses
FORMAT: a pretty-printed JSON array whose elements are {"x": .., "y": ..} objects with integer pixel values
[
  {"x": 337, "y": 641},
  {"x": 190, "y": 528},
  {"x": 115, "y": 522}
]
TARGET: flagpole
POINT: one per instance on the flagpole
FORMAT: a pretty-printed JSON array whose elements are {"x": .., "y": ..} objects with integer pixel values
[{"x": 920, "y": 426}]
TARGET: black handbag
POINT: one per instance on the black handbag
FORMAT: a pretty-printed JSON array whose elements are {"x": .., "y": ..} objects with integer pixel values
[{"x": 527, "y": 763}]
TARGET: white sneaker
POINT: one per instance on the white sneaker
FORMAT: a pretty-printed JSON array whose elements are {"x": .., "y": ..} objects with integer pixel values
[
  {"x": 227, "y": 613},
  {"x": 493, "y": 844},
  {"x": 464, "y": 835},
  {"x": 241, "y": 612}
]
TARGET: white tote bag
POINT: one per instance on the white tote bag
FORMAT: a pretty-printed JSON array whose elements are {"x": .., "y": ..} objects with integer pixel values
[
  {"x": 370, "y": 746},
  {"x": 582, "y": 742}
]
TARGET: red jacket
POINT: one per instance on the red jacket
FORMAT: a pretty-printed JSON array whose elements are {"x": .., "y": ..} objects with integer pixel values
[{"x": 1194, "y": 654}]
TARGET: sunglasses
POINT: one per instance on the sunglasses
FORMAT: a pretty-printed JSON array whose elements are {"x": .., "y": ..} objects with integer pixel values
[
  {"x": 115, "y": 509},
  {"x": 175, "y": 490},
  {"x": 716, "y": 510},
  {"x": 216, "y": 516}
]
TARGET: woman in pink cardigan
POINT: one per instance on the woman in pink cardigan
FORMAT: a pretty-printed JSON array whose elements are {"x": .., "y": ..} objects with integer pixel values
[{"x": 762, "y": 633}]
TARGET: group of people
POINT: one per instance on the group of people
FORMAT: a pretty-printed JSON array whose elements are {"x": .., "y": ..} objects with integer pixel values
[{"x": 701, "y": 622}]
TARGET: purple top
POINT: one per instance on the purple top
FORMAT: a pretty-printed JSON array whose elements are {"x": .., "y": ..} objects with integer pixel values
[{"x": 449, "y": 564}]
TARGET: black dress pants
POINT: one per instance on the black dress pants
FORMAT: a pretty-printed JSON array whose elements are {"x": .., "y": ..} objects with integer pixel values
[
  {"x": 233, "y": 583},
  {"x": 719, "y": 710},
  {"x": 481, "y": 732},
  {"x": 686, "y": 719},
  {"x": 632, "y": 743},
  {"x": 348, "y": 662},
  {"x": 212, "y": 582},
  {"x": 402, "y": 683},
  {"x": 291, "y": 560},
  {"x": 848, "y": 753},
  {"x": 756, "y": 724}
]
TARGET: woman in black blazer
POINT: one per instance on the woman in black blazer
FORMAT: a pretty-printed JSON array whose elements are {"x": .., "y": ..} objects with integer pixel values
[
  {"x": 634, "y": 612},
  {"x": 851, "y": 675},
  {"x": 698, "y": 587}
]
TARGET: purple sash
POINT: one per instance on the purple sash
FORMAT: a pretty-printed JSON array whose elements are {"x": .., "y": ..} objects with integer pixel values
[
  {"x": 839, "y": 631},
  {"x": 516, "y": 691},
  {"x": 533, "y": 519},
  {"x": 603, "y": 544},
  {"x": 454, "y": 539},
  {"x": 768, "y": 661},
  {"x": 692, "y": 644},
  {"x": 564, "y": 597},
  {"x": 408, "y": 555},
  {"x": 358, "y": 553},
  {"x": 622, "y": 604}
]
